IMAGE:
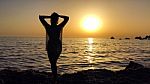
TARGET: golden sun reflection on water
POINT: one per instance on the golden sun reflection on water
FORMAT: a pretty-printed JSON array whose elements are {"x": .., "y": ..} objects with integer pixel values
[
  {"x": 90, "y": 40},
  {"x": 90, "y": 49},
  {"x": 90, "y": 46}
]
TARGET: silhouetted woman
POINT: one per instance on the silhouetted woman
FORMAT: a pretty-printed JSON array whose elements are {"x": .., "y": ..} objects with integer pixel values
[{"x": 54, "y": 38}]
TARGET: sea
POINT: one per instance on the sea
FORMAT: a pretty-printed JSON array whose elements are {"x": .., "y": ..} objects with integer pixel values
[{"x": 78, "y": 54}]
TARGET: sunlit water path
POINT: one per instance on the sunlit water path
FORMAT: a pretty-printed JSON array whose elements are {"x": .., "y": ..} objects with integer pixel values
[{"x": 78, "y": 54}]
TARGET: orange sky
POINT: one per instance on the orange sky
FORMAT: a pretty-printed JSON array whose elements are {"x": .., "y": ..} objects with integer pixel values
[{"x": 121, "y": 18}]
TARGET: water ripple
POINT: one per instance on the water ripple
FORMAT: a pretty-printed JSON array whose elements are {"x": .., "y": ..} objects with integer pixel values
[{"x": 78, "y": 54}]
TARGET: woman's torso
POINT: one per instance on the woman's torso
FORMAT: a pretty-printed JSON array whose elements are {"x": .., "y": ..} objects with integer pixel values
[{"x": 54, "y": 41}]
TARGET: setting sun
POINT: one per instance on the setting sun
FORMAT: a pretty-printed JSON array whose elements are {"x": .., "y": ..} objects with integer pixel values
[{"x": 91, "y": 23}]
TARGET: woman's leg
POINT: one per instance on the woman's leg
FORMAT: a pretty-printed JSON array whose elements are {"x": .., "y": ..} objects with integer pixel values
[
  {"x": 53, "y": 60},
  {"x": 54, "y": 68}
]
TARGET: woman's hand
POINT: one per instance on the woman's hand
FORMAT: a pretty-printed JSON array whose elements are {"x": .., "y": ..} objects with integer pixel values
[
  {"x": 63, "y": 23},
  {"x": 62, "y": 16},
  {"x": 43, "y": 16},
  {"x": 43, "y": 21}
]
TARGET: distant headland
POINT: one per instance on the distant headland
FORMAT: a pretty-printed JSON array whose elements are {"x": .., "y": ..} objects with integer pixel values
[{"x": 147, "y": 37}]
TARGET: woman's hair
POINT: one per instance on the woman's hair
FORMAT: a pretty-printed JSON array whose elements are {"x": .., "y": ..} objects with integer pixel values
[
  {"x": 54, "y": 15},
  {"x": 54, "y": 18}
]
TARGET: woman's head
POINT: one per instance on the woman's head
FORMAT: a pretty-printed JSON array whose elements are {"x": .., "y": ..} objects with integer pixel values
[{"x": 54, "y": 18}]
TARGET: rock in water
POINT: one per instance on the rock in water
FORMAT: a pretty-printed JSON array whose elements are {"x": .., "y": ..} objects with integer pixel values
[{"x": 134, "y": 66}]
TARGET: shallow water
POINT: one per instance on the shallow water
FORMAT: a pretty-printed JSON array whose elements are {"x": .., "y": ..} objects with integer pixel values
[{"x": 78, "y": 54}]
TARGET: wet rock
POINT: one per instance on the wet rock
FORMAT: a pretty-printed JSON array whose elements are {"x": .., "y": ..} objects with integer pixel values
[
  {"x": 133, "y": 74},
  {"x": 112, "y": 37},
  {"x": 134, "y": 66}
]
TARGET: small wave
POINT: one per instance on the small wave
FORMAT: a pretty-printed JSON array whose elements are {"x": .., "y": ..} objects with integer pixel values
[
  {"x": 102, "y": 52},
  {"x": 115, "y": 62},
  {"x": 100, "y": 56},
  {"x": 145, "y": 51},
  {"x": 147, "y": 59},
  {"x": 74, "y": 52},
  {"x": 84, "y": 65},
  {"x": 111, "y": 62}
]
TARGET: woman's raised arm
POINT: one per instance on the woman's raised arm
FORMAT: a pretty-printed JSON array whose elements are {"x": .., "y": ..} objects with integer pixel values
[
  {"x": 42, "y": 19},
  {"x": 66, "y": 18}
]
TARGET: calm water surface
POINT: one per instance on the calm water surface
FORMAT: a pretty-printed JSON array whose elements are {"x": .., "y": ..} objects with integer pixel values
[{"x": 78, "y": 54}]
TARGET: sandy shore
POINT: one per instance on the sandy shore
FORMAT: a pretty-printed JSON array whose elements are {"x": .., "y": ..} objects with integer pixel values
[{"x": 133, "y": 74}]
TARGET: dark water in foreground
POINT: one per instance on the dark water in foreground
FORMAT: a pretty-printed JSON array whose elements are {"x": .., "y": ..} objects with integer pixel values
[{"x": 78, "y": 54}]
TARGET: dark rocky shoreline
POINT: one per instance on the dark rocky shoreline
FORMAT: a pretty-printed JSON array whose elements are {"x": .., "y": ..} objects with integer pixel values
[{"x": 133, "y": 74}]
